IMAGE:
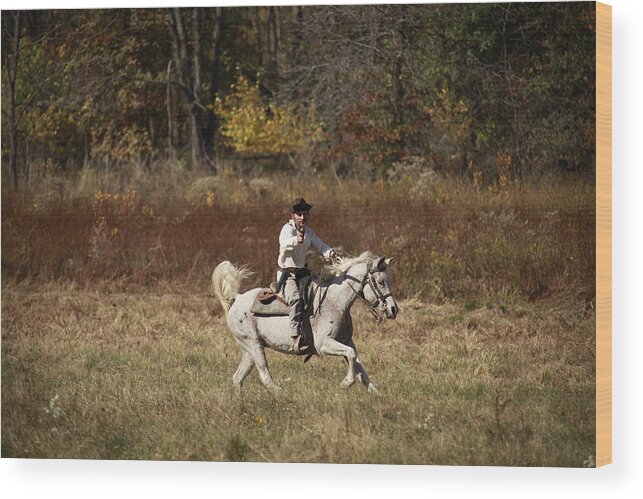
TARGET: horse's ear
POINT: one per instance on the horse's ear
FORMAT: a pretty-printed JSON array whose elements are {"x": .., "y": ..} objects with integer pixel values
[
  {"x": 381, "y": 264},
  {"x": 388, "y": 260}
]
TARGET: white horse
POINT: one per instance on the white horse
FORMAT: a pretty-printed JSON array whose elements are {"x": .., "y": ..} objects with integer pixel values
[{"x": 364, "y": 276}]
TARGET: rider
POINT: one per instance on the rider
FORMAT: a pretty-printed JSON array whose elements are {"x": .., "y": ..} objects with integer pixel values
[{"x": 294, "y": 240}]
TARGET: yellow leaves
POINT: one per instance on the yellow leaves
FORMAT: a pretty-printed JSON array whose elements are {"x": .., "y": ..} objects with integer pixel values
[
  {"x": 478, "y": 179},
  {"x": 504, "y": 183},
  {"x": 502, "y": 174},
  {"x": 503, "y": 164},
  {"x": 119, "y": 204},
  {"x": 450, "y": 115},
  {"x": 252, "y": 126}
]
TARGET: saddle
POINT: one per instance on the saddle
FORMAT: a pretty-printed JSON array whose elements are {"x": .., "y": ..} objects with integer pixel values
[{"x": 268, "y": 303}]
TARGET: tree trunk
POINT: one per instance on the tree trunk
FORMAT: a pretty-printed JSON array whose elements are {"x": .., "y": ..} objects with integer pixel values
[
  {"x": 196, "y": 107},
  {"x": 170, "y": 123},
  {"x": 190, "y": 77},
  {"x": 212, "y": 123},
  {"x": 272, "y": 68},
  {"x": 298, "y": 35},
  {"x": 12, "y": 35},
  {"x": 13, "y": 138},
  {"x": 259, "y": 43}
]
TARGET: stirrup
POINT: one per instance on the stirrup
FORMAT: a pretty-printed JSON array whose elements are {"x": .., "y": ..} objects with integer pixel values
[
  {"x": 298, "y": 347},
  {"x": 295, "y": 342}
]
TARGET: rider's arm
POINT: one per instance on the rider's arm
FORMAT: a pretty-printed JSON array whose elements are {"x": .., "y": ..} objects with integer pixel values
[
  {"x": 287, "y": 238},
  {"x": 319, "y": 245}
]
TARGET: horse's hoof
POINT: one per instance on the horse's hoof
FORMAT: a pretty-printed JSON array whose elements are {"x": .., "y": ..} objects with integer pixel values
[
  {"x": 372, "y": 389},
  {"x": 346, "y": 384}
]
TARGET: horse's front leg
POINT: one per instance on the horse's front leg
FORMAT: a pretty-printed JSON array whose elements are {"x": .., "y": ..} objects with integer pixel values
[
  {"x": 329, "y": 346},
  {"x": 361, "y": 372}
]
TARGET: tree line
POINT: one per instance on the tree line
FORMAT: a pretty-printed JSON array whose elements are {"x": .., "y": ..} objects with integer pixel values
[{"x": 461, "y": 88}]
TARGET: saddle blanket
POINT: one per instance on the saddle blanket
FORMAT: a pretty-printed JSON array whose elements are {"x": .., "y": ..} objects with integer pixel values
[{"x": 268, "y": 303}]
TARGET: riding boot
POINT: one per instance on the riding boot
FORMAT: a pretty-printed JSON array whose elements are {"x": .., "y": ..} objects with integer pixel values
[
  {"x": 297, "y": 344},
  {"x": 296, "y": 337}
]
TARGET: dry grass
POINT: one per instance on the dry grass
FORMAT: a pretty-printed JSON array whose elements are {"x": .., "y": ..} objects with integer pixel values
[
  {"x": 112, "y": 347},
  {"x": 148, "y": 376}
]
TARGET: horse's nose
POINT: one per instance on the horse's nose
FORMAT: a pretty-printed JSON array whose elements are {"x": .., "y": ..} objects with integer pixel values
[{"x": 393, "y": 312}]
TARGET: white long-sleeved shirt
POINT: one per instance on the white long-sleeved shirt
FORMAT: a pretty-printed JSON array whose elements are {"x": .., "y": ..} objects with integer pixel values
[{"x": 293, "y": 253}]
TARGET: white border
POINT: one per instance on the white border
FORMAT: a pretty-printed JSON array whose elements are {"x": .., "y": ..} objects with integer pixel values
[{"x": 102, "y": 479}]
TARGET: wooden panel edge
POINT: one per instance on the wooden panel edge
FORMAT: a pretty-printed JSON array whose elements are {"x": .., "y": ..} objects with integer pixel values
[{"x": 603, "y": 234}]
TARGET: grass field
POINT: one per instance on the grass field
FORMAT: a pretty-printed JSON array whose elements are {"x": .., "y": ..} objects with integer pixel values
[
  {"x": 148, "y": 376},
  {"x": 112, "y": 347}
]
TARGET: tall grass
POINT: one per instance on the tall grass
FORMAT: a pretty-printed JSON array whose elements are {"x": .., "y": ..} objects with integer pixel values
[{"x": 166, "y": 228}]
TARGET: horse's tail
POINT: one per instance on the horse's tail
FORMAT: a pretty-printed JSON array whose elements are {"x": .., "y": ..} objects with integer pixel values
[{"x": 226, "y": 282}]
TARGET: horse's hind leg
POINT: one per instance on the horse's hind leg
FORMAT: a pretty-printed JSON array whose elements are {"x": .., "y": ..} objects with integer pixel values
[
  {"x": 245, "y": 332},
  {"x": 256, "y": 352},
  {"x": 259, "y": 358},
  {"x": 245, "y": 366}
]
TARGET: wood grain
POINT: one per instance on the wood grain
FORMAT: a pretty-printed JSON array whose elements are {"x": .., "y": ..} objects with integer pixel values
[{"x": 603, "y": 234}]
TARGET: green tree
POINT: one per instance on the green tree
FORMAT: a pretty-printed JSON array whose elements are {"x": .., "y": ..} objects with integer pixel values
[
  {"x": 23, "y": 33},
  {"x": 525, "y": 73}
]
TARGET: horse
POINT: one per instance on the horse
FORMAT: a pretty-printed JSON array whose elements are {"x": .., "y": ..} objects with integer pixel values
[{"x": 342, "y": 282}]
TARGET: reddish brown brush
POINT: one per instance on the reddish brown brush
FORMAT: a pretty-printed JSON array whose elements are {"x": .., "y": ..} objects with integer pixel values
[{"x": 451, "y": 243}]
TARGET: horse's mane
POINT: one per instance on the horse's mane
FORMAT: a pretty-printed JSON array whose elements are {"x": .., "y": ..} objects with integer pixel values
[{"x": 340, "y": 267}]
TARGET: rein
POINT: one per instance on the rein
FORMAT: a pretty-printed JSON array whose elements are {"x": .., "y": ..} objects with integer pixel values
[{"x": 369, "y": 280}]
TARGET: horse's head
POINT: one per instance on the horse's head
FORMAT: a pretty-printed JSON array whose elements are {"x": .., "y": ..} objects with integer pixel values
[{"x": 377, "y": 287}]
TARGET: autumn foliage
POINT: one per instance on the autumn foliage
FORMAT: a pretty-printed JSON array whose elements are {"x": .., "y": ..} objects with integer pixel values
[
  {"x": 351, "y": 89},
  {"x": 252, "y": 124}
]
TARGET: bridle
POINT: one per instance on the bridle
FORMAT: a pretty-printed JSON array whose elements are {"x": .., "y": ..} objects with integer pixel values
[{"x": 369, "y": 280}]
